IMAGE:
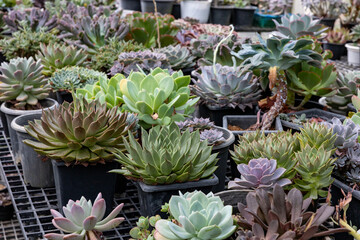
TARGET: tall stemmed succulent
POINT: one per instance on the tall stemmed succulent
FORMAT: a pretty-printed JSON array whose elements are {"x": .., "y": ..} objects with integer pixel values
[
  {"x": 57, "y": 56},
  {"x": 22, "y": 83},
  {"x": 296, "y": 25},
  {"x": 84, "y": 220},
  {"x": 274, "y": 57},
  {"x": 198, "y": 216},
  {"x": 79, "y": 132},
  {"x": 167, "y": 156},
  {"x": 284, "y": 216}
]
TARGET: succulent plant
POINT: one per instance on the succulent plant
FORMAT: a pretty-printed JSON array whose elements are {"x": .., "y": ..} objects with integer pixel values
[
  {"x": 158, "y": 98},
  {"x": 278, "y": 146},
  {"x": 167, "y": 156},
  {"x": 284, "y": 216},
  {"x": 355, "y": 33},
  {"x": 213, "y": 136},
  {"x": 226, "y": 87},
  {"x": 147, "y": 60},
  {"x": 310, "y": 80},
  {"x": 275, "y": 7},
  {"x": 257, "y": 232},
  {"x": 141, "y": 231},
  {"x": 179, "y": 57},
  {"x": 346, "y": 133},
  {"x": 26, "y": 43},
  {"x": 325, "y": 8},
  {"x": 92, "y": 32},
  {"x": 106, "y": 55},
  {"x": 346, "y": 86},
  {"x": 259, "y": 173},
  {"x": 84, "y": 220},
  {"x": 35, "y": 18},
  {"x": 352, "y": 14},
  {"x": 198, "y": 216},
  {"x": 297, "y": 25},
  {"x": 211, "y": 29},
  {"x": 314, "y": 167},
  {"x": 57, "y": 56},
  {"x": 79, "y": 132},
  {"x": 69, "y": 78},
  {"x": 317, "y": 135},
  {"x": 22, "y": 82},
  {"x": 143, "y": 29},
  {"x": 338, "y": 36},
  {"x": 105, "y": 91}
]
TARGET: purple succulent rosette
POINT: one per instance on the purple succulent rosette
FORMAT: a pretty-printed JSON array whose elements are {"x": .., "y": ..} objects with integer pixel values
[{"x": 259, "y": 173}]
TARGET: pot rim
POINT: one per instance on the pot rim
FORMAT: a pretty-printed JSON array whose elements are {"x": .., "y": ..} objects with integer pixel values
[
  {"x": 15, "y": 112},
  {"x": 353, "y": 46},
  {"x": 230, "y": 140},
  {"x": 20, "y": 128}
]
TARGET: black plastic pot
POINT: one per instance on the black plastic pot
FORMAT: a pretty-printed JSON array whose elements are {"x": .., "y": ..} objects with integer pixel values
[
  {"x": 221, "y": 14},
  {"x": 62, "y": 96},
  {"x": 37, "y": 171},
  {"x": 151, "y": 197},
  {"x": 13, "y": 113},
  {"x": 310, "y": 113},
  {"x": 176, "y": 11},
  {"x": 216, "y": 114},
  {"x": 338, "y": 50},
  {"x": 352, "y": 213},
  {"x": 163, "y": 6},
  {"x": 244, "y": 16},
  {"x": 329, "y": 22},
  {"x": 76, "y": 181},
  {"x": 2, "y": 58},
  {"x": 130, "y": 5},
  {"x": 223, "y": 153}
]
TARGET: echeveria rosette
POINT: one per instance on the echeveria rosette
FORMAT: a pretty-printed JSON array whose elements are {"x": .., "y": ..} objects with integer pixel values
[
  {"x": 346, "y": 133},
  {"x": 82, "y": 220},
  {"x": 199, "y": 216},
  {"x": 259, "y": 173}
]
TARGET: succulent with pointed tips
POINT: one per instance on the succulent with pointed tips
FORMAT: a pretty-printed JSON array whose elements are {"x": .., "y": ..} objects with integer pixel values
[
  {"x": 84, "y": 220},
  {"x": 346, "y": 133},
  {"x": 179, "y": 57},
  {"x": 338, "y": 36}
]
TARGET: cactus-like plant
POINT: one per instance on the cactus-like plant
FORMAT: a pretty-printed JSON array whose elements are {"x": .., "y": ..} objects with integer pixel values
[
  {"x": 21, "y": 81},
  {"x": 346, "y": 133},
  {"x": 346, "y": 86},
  {"x": 79, "y": 132},
  {"x": 179, "y": 57},
  {"x": 35, "y": 18},
  {"x": 314, "y": 167},
  {"x": 284, "y": 216},
  {"x": 226, "y": 87},
  {"x": 158, "y": 98},
  {"x": 84, "y": 220},
  {"x": 338, "y": 36},
  {"x": 147, "y": 60},
  {"x": 259, "y": 173},
  {"x": 141, "y": 231},
  {"x": 297, "y": 25},
  {"x": 69, "y": 78},
  {"x": 198, "y": 216},
  {"x": 355, "y": 33},
  {"x": 57, "y": 56},
  {"x": 278, "y": 146},
  {"x": 167, "y": 156},
  {"x": 317, "y": 135}
]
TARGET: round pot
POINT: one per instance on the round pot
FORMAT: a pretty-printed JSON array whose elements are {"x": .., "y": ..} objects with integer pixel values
[
  {"x": 62, "y": 96},
  {"x": 338, "y": 50},
  {"x": 199, "y": 10},
  {"x": 13, "y": 113},
  {"x": 244, "y": 17},
  {"x": 130, "y": 5},
  {"x": 353, "y": 51},
  {"x": 163, "y": 6},
  {"x": 233, "y": 197},
  {"x": 37, "y": 171},
  {"x": 176, "y": 12},
  {"x": 221, "y": 14}
]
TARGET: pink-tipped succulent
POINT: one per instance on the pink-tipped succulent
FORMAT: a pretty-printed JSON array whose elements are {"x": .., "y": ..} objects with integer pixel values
[
  {"x": 259, "y": 173},
  {"x": 84, "y": 221}
]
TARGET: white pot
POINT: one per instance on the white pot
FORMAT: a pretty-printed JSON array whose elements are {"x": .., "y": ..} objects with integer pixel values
[
  {"x": 353, "y": 54},
  {"x": 199, "y": 10}
]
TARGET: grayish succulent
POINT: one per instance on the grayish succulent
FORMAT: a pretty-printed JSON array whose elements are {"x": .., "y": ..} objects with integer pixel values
[
  {"x": 346, "y": 133},
  {"x": 214, "y": 136},
  {"x": 179, "y": 57},
  {"x": 225, "y": 86},
  {"x": 144, "y": 60},
  {"x": 259, "y": 173}
]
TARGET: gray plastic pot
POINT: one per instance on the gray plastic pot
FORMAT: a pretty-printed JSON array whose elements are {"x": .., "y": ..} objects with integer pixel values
[
  {"x": 37, "y": 172},
  {"x": 223, "y": 153},
  {"x": 13, "y": 113},
  {"x": 130, "y": 5},
  {"x": 163, "y": 6},
  {"x": 233, "y": 197}
]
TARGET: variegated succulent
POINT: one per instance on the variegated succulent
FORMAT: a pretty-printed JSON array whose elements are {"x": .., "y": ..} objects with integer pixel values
[
  {"x": 84, "y": 220},
  {"x": 179, "y": 57},
  {"x": 57, "y": 56},
  {"x": 225, "y": 86}
]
